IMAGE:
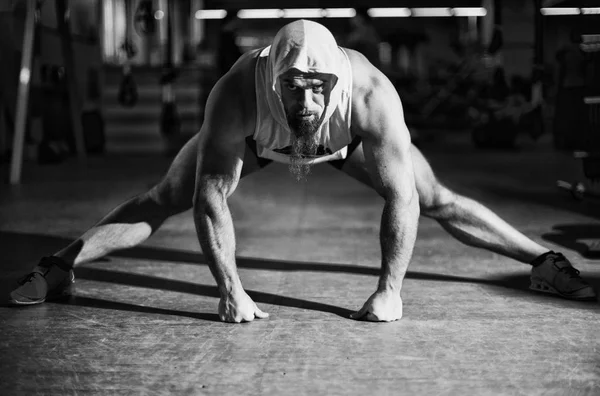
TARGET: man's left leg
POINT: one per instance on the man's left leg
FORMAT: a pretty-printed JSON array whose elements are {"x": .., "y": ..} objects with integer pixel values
[{"x": 475, "y": 225}]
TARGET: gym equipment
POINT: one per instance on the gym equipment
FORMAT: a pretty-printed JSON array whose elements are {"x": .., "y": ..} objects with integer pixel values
[
  {"x": 590, "y": 160},
  {"x": 92, "y": 119},
  {"x": 128, "y": 94},
  {"x": 31, "y": 25},
  {"x": 170, "y": 122},
  {"x": 93, "y": 124},
  {"x": 144, "y": 20},
  {"x": 577, "y": 190}
]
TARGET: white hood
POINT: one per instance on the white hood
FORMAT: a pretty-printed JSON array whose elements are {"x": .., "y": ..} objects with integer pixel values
[{"x": 310, "y": 48}]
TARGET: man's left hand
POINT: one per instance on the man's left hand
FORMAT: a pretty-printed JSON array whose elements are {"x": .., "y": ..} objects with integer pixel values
[{"x": 382, "y": 306}]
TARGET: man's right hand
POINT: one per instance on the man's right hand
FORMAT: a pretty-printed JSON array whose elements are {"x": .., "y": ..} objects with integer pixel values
[{"x": 238, "y": 307}]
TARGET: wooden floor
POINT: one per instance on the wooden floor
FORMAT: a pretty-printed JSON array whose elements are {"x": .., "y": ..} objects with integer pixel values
[{"x": 144, "y": 321}]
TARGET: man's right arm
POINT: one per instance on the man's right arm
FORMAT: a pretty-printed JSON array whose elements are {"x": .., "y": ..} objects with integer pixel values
[{"x": 219, "y": 164}]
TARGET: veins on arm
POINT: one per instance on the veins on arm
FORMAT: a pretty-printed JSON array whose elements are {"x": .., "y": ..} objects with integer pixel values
[{"x": 386, "y": 144}]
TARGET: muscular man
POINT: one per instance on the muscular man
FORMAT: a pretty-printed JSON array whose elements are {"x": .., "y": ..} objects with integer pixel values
[{"x": 301, "y": 101}]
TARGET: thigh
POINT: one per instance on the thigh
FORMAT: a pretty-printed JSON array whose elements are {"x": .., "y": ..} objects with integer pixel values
[
  {"x": 177, "y": 186},
  {"x": 432, "y": 194},
  {"x": 428, "y": 187}
]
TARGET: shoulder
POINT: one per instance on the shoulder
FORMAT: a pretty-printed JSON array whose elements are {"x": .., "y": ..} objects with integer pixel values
[
  {"x": 232, "y": 99},
  {"x": 239, "y": 80},
  {"x": 374, "y": 97}
]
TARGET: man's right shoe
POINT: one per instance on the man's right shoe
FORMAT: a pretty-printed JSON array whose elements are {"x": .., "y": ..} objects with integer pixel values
[{"x": 34, "y": 289}]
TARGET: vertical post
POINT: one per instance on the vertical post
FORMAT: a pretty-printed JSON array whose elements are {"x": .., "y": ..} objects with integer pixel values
[
  {"x": 473, "y": 30},
  {"x": 71, "y": 72},
  {"x": 538, "y": 57},
  {"x": 170, "y": 25},
  {"x": 3, "y": 133},
  {"x": 487, "y": 23},
  {"x": 23, "y": 93},
  {"x": 197, "y": 30}
]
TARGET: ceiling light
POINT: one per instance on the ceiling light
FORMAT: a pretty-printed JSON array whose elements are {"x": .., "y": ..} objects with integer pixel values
[
  {"x": 388, "y": 12},
  {"x": 469, "y": 11},
  {"x": 303, "y": 13},
  {"x": 340, "y": 12},
  {"x": 559, "y": 11},
  {"x": 590, "y": 10},
  {"x": 266, "y": 13},
  {"x": 431, "y": 12},
  {"x": 210, "y": 14}
]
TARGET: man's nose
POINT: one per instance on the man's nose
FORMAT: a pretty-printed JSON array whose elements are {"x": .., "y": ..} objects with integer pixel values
[{"x": 306, "y": 98}]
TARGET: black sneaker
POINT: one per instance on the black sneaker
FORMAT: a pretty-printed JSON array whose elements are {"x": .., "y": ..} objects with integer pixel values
[
  {"x": 553, "y": 273},
  {"x": 33, "y": 287}
]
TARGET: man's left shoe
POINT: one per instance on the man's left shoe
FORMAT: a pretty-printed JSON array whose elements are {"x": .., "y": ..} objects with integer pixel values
[{"x": 553, "y": 273}]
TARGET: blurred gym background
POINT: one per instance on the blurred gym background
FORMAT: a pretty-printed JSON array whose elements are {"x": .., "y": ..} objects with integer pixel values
[{"x": 499, "y": 71}]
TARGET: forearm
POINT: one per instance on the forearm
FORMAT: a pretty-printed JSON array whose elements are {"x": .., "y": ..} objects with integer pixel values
[
  {"x": 214, "y": 226},
  {"x": 398, "y": 232}
]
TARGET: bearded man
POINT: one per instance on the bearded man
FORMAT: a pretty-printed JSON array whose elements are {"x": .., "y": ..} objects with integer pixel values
[{"x": 302, "y": 101}]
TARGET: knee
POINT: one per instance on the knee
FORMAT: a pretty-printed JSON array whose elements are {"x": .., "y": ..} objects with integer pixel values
[
  {"x": 169, "y": 200},
  {"x": 438, "y": 203}
]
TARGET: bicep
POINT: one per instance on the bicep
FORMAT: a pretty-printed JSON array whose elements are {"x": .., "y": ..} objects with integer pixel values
[
  {"x": 386, "y": 143},
  {"x": 389, "y": 163},
  {"x": 221, "y": 145}
]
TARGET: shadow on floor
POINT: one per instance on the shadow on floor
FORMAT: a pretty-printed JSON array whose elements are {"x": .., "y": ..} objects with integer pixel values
[
  {"x": 123, "y": 278},
  {"x": 29, "y": 248},
  {"x": 93, "y": 302},
  {"x": 572, "y": 237},
  {"x": 515, "y": 282}
]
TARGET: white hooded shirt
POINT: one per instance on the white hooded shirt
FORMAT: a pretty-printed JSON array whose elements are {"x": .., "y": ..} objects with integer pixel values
[{"x": 310, "y": 48}]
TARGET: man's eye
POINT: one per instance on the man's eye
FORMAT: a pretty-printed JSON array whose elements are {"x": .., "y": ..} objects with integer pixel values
[
  {"x": 292, "y": 87},
  {"x": 318, "y": 89}
]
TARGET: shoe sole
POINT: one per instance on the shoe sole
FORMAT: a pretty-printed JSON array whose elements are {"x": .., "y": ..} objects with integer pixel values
[
  {"x": 64, "y": 293},
  {"x": 541, "y": 286}
]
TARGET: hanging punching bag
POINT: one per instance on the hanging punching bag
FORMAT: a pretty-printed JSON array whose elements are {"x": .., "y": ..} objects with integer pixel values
[
  {"x": 497, "y": 41},
  {"x": 144, "y": 20},
  {"x": 128, "y": 94},
  {"x": 170, "y": 123}
]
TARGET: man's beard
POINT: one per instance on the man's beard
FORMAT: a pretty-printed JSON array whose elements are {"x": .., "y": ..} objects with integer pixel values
[{"x": 304, "y": 143}]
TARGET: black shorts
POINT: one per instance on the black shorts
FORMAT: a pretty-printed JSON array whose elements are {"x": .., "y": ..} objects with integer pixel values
[
  {"x": 251, "y": 144},
  {"x": 338, "y": 164}
]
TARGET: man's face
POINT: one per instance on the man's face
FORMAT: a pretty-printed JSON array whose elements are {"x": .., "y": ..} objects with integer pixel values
[{"x": 304, "y": 99}]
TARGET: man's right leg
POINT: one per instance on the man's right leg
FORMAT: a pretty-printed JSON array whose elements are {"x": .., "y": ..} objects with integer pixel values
[
  {"x": 135, "y": 220},
  {"x": 125, "y": 226}
]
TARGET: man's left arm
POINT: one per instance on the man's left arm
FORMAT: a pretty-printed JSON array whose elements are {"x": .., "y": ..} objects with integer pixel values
[{"x": 386, "y": 144}]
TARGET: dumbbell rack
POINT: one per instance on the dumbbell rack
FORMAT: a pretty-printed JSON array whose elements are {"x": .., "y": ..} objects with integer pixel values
[{"x": 590, "y": 159}]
